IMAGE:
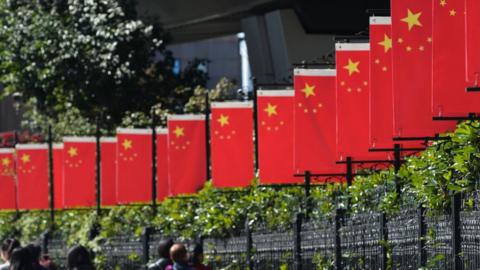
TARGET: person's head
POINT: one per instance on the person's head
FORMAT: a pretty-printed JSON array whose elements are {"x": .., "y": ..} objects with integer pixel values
[
  {"x": 21, "y": 259},
  {"x": 178, "y": 253},
  {"x": 197, "y": 254},
  {"x": 35, "y": 252},
  {"x": 7, "y": 247},
  {"x": 79, "y": 257},
  {"x": 164, "y": 248}
]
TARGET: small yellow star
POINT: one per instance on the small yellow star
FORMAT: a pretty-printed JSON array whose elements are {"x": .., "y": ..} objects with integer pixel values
[
  {"x": 384, "y": 68},
  {"x": 377, "y": 61},
  {"x": 6, "y": 162},
  {"x": 342, "y": 83},
  {"x": 352, "y": 67},
  {"x": 386, "y": 43},
  {"x": 271, "y": 110},
  {"x": 25, "y": 158},
  {"x": 421, "y": 48},
  {"x": 443, "y": 3},
  {"x": 127, "y": 144},
  {"x": 412, "y": 19},
  {"x": 178, "y": 132},
  {"x": 453, "y": 12},
  {"x": 408, "y": 48},
  {"x": 223, "y": 120},
  {"x": 73, "y": 152},
  {"x": 429, "y": 39},
  {"x": 400, "y": 40},
  {"x": 309, "y": 90}
]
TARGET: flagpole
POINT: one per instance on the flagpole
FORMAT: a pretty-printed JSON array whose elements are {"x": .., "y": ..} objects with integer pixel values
[
  {"x": 255, "y": 124},
  {"x": 51, "y": 189},
  {"x": 98, "y": 169},
  {"x": 207, "y": 134},
  {"x": 154, "y": 161}
]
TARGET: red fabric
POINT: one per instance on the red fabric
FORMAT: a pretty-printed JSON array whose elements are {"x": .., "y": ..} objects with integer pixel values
[
  {"x": 134, "y": 166},
  {"x": 275, "y": 136},
  {"x": 162, "y": 165},
  {"x": 58, "y": 176},
  {"x": 79, "y": 172},
  {"x": 32, "y": 173},
  {"x": 412, "y": 69},
  {"x": 449, "y": 68},
  {"x": 108, "y": 149},
  {"x": 231, "y": 129},
  {"x": 353, "y": 87},
  {"x": 186, "y": 153},
  {"x": 381, "y": 93},
  {"x": 8, "y": 188},
  {"x": 315, "y": 113},
  {"x": 473, "y": 41}
]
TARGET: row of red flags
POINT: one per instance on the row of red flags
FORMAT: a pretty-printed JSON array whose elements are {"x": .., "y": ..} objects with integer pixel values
[{"x": 415, "y": 67}]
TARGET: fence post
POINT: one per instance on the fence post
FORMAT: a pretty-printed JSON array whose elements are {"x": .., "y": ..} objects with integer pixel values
[
  {"x": 337, "y": 223},
  {"x": 248, "y": 252},
  {"x": 44, "y": 238},
  {"x": 298, "y": 242},
  {"x": 146, "y": 246},
  {"x": 456, "y": 227},
  {"x": 307, "y": 203},
  {"x": 384, "y": 240},
  {"x": 422, "y": 231}
]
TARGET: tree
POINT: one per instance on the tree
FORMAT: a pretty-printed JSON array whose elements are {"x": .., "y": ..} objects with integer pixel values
[{"x": 93, "y": 56}]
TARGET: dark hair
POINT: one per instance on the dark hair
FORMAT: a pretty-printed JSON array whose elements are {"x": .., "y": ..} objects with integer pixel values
[
  {"x": 164, "y": 248},
  {"x": 78, "y": 257},
  {"x": 35, "y": 252},
  {"x": 8, "y": 245},
  {"x": 21, "y": 259},
  {"x": 197, "y": 251}
]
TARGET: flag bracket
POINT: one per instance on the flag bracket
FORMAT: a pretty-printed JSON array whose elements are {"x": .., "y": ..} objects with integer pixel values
[
  {"x": 378, "y": 12},
  {"x": 426, "y": 139},
  {"x": 393, "y": 149},
  {"x": 312, "y": 64},
  {"x": 261, "y": 86},
  {"x": 360, "y": 36},
  {"x": 471, "y": 117},
  {"x": 473, "y": 89}
]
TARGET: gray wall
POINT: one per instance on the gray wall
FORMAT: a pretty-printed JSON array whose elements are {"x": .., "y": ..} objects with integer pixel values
[{"x": 8, "y": 119}]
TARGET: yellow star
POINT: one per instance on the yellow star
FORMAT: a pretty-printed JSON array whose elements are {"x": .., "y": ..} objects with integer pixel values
[
  {"x": 223, "y": 120},
  {"x": 127, "y": 144},
  {"x": 453, "y": 12},
  {"x": 429, "y": 39},
  {"x": 400, "y": 40},
  {"x": 309, "y": 90},
  {"x": 412, "y": 19},
  {"x": 352, "y": 67},
  {"x": 73, "y": 152},
  {"x": 408, "y": 48},
  {"x": 25, "y": 158},
  {"x": 443, "y": 3},
  {"x": 386, "y": 43},
  {"x": 384, "y": 69},
  {"x": 5, "y": 162},
  {"x": 271, "y": 110},
  {"x": 421, "y": 48},
  {"x": 178, "y": 131}
]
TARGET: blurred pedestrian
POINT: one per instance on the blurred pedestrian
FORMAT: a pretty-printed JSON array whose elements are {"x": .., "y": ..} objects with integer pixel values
[
  {"x": 78, "y": 258},
  {"x": 197, "y": 258},
  {"x": 35, "y": 252},
  {"x": 6, "y": 249},
  {"x": 21, "y": 259},
  {"x": 179, "y": 256},
  {"x": 47, "y": 262},
  {"x": 164, "y": 255}
]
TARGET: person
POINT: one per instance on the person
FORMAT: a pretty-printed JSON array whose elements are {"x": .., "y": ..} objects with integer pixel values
[
  {"x": 21, "y": 259},
  {"x": 47, "y": 262},
  {"x": 164, "y": 254},
  {"x": 179, "y": 256},
  {"x": 35, "y": 252},
  {"x": 78, "y": 258},
  {"x": 197, "y": 258},
  {"x": 6, "y": 249}
]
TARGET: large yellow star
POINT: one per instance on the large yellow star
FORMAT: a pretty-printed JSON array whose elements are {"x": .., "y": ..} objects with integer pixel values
[
  {"x": 386, "y": 43},
  {"x": 271, "y": 110},
  {"x": 6, "y": 162},
  {"x": 352, "y": 67},
  {"x": 412, "y": 19},
  {"x": 179, "y": 131},
  {"x": 127, "y": 144},
  {"x": 309, "y": 90},
  {"x": 73, "y": 152},
  {"x": 25, "y": 158},
  {"x": 223, "y": 120}
]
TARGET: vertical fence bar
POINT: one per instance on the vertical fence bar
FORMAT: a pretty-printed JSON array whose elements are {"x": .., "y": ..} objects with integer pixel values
[
  {"x": 248, "y": 253},
  {"x": 422, "y": 231},
  {"x": 147, "y": 231},
  {"x": 98, "y": 167},
  {"x": 154, "y": 161},
  {"x": 384, "y": 240},
  {"x": 207, "y": 135},
  {"x": 51, "y": 190},
  {"x": 307, "y": 186},
  {"x": 255, "y": 124},
  {"x": 337, "y": 223},
  {"x": 349, "y": 173},
  {"x": 44, "y": 245},
  {"x": 456, "y": 230},
  {"x": 397, "y": 163},
  {"x": 298, "y": 242}
]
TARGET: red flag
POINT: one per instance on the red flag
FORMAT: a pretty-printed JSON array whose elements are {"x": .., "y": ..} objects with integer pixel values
[
  {"x": 381, "y": 93},
  {"x": 58, "y": 175},
  {"x": 186, "y": 153},
  {"x": 8, "y": 189},
  {"x": 353, "y": 87},
  {"x": 162, "y": 163},
  {"x": 134, "y": 165},
  {"x": 473, "y": 41},
  {"x": 79, "y": 171},
  {"x": 231, "y": 129},
  {"x": 275, "y": 136},
  {"x": 108, "y": 150},
  {"x": 412, "y": 69},
  {"x": 32, "y": 173},
  {"x": 449, "y": 69},
  {"x": 315, "y": 114}
]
